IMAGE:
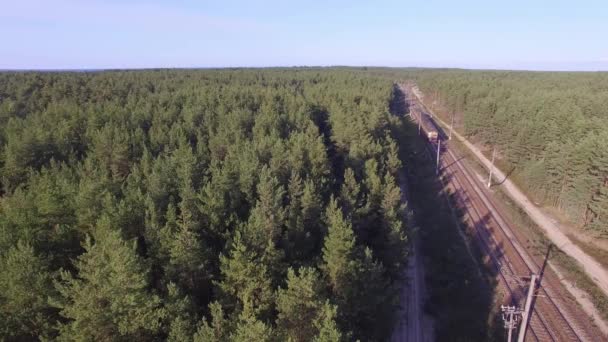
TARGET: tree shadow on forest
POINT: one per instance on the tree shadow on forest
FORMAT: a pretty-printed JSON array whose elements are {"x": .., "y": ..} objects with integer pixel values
[
  {"x": 460, "y": 288},
  {"x": 320, "y": 116},
  {"x": 399, "y": 106},
  {"x": 477, "y": 265}
]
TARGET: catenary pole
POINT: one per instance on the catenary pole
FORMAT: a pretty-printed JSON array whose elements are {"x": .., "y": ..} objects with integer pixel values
[
  {"x": 438, "y": 152},
  {"x": 451, "y": 126},
  {"x": 526, "y": 314},
  {"x": 491, "y": 168},
  {"x": 510, "y": 334}
]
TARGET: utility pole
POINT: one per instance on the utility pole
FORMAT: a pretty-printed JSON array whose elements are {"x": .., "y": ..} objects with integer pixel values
[
  {"x": 451, "y": 126},
  {"x": 511, "y": 316},
  {"x": 438, "y": 152},
  {"x": 491, "y": 168},
  {"x": 419, "y": 121},
  {"x": 526, "y": 314}
]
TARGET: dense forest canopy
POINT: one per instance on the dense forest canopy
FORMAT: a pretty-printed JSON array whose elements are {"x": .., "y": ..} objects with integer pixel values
[
  {"x": 550, "y": 129},
  {"x": 205, "y": 205},
  {"x": 240, "y": 205}
]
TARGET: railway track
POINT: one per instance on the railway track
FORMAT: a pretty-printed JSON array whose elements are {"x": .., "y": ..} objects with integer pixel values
[
  {"x": 554, "y": 316},
  {"x": 546, "y": 321}
]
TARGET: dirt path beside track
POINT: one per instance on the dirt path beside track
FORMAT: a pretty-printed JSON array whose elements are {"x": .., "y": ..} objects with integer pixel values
[{"x": 552, "y": 228}]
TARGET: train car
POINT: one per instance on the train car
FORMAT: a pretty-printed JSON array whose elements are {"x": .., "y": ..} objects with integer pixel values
[{"x": 432, "y": 133}]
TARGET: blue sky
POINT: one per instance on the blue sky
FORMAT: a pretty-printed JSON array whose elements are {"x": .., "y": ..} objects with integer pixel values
[{"x": 510, "y": 34}]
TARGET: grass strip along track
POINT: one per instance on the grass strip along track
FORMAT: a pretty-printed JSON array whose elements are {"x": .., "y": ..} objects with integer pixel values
[{"x": 552, "y": 319}]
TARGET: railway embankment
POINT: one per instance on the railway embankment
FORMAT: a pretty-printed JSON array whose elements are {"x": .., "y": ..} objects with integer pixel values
[{"x": 585, "y": 277}]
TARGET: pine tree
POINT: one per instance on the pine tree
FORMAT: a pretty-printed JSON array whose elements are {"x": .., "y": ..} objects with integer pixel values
[
  {"x": 299, "y": 305},
  {"x": 369, "y": 223},
  {"x": 221, "y": 205},
  {"x": 188, "y": 259},
  {"x": 294, "y": 235},
  {"x": 373, "y": 303},
  {"x": 294, "y": 192},
  {"x": 180, "y": 314},
  {"x": 598, "y": 204},
  {"x": 373, "y": 183},
  {"x": 180, "y": 330},
  {"x": 250, "y": 328},
  {"x": 579, "y": 183},
  {"x": 392, "y": 244},
  {"x": 165, "y": 236},
  {"x": 317, "y": 157},
  {"x": 556, "y": 171},
  {"x": 393, "y": 163},
  {"x": 350, "y": 194},
  {"x": 112, "y": 149},
  {"x": 326, "y": 325},
  {"x": 245, "y": 280},
  {"x": 109, "y": 299},
  {"x": 216, "y": 330},
  {"x": 25, "y": 285},
  {"x": 263, "y": 232},
  {"x": 268, "y": 216},
  {"x": 339, "y": 251},
  {"x": 311, "y": 219},
  {"x": 599, "y": 208},
  {"x": 92, "y": 188}
]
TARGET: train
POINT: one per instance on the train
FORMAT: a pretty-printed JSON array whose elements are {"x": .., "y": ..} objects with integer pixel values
[{"x": 429, "y": 127}]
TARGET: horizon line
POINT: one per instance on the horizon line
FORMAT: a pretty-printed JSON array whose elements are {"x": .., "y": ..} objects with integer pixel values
[{"x": 102, "y": 69}]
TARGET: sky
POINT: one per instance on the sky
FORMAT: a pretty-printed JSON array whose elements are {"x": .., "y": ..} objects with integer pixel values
[{"x": 507, "y": 34}]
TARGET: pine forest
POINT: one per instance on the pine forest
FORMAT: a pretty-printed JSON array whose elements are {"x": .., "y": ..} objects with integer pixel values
[
  {"x": 201, "y": 205},
  {"x": 262, "y": 204}
]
